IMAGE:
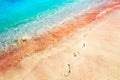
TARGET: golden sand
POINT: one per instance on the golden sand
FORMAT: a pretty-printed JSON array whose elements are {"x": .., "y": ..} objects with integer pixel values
[
  {"x": 91, "y": 53},
  {"x": 28, "y": 47}
]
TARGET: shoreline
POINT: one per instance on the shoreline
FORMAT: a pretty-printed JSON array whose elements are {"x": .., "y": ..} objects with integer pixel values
[
  {"x": 28, "y": 47},
  {"x": 51, "y": 21}
]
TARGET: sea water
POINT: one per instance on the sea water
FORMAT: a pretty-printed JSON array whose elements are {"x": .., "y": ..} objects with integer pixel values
[
  {"x": 27, "y": 18},
  {"x": 14, "y": 12}
]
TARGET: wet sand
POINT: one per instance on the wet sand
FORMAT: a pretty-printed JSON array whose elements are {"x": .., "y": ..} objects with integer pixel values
[{"x": 90, "y": 53}]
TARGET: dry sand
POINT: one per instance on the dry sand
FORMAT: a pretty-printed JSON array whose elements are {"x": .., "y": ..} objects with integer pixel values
[{"x": 91, "y": 53}]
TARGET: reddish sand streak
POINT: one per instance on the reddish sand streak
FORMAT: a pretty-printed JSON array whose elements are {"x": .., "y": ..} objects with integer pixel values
[{"x": 13, "y": 57}]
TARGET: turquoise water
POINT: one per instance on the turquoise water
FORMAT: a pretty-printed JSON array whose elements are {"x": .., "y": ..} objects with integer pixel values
[
  {"x": 29, "y": 18},
  {"x": 14, "y": 12}
]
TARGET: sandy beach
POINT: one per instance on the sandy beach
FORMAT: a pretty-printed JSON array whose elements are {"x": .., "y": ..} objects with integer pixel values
[{"x": 89, "y": 53}]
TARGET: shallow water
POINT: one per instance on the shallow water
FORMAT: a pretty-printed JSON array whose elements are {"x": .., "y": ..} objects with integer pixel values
[
  {"x": 13, "y": 12},
  {"x": 27, "y": 18}
]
